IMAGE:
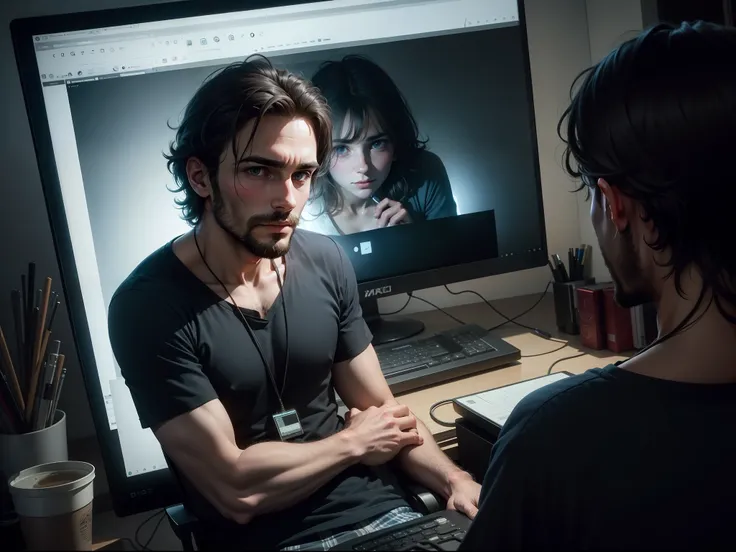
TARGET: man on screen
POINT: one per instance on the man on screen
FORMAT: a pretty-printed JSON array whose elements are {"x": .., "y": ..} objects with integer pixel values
[
  {"x": 641, "y": 456},
  {"x": 234, "y": 337}
]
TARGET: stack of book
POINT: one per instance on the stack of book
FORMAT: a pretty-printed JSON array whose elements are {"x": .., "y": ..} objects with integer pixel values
[{"x": 606, "y": 325}]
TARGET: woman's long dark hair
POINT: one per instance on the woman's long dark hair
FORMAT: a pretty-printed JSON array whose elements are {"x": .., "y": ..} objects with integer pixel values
[
  {"x": 657, "y": 119},
  {"x": 357, "y": 88}
]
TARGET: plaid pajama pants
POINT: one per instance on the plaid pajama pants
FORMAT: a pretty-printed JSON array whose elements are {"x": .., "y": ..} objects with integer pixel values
[{"x": 389, "y": 519}]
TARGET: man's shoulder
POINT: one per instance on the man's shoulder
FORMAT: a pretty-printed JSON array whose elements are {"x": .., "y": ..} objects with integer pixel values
[
  {"x": 153, "y": 282},
  {"x": 566, "y": 402},
  {"x": 318, "y": 249}
]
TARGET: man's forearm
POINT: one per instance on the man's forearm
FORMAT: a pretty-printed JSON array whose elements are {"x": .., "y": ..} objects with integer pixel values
[
  {"x": 429, "y": 465},
  {"x": 276, "y": 475}
]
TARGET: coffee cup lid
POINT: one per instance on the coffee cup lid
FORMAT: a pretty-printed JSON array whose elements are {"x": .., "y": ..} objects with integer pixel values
[{"x": 26, "y": 481}]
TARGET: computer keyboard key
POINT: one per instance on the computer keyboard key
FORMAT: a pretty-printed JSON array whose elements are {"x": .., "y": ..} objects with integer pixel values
[
  {"x": 418, "y": 546},
  {"x": 449, "y": 545},
  {"x": 445, "y": 528},
  {"x": 429, "y": 525},
  {"x": 460, "y": 535}
]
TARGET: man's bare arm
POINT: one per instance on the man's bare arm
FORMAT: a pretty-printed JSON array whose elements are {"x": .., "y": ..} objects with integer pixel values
[
  {"x": 271, "y": 476},
  {"x": 361, "y": 384},
  {"x": 262, "y": 478}
]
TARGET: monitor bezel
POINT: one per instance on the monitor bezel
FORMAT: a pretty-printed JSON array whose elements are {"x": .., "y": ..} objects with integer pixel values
[{"x": 158, "y": 489}]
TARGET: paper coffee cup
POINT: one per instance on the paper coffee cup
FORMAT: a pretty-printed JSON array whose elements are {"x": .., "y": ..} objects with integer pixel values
[{"x": 54, "y": 502}]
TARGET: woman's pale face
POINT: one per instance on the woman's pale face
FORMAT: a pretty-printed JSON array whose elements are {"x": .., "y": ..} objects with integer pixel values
[{"x": 361, "y": 166}]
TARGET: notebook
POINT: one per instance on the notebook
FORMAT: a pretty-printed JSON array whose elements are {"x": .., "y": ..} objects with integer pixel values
[{"x": 490, "y": 409}]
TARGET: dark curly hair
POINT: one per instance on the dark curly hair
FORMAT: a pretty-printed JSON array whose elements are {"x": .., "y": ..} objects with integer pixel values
[
  {"x": 657, "y": 119},
  {"x": 358, "y": 88},
  {"x": 223, "y": 105}
]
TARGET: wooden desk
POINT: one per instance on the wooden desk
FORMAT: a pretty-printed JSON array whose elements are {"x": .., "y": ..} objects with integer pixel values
[{"x": 542, "y": 317}]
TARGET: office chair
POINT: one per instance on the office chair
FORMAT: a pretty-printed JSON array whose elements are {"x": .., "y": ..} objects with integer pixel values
[{"x": 186, "y": 526}]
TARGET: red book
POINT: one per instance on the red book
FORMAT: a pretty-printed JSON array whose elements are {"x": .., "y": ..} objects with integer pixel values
[
  {"x": 590, "y": 317},
  {"x": 619, "y": 334}
]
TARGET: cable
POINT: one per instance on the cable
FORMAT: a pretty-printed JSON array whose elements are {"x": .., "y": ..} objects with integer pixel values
[
  {"x": 549, "y": 371},
  {"x": 434, "y": 407},
  {"x": 438, "y": 308},
  {"x": 565, "y": 344},
  {"x": 153, "y": 533},
  {"x": 507, "y": 319},
  {"x": 536, "y": 331},
  {"x": 143, "y": 524},
  {"x": 408, "y": 300}
]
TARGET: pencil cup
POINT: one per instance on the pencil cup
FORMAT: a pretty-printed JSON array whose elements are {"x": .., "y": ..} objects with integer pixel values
[{"x": 24, "y": 450}]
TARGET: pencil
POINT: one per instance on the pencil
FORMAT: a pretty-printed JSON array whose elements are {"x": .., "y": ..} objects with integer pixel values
[
  {"x": 31, "y": 286},
  {"x": 15, "y": 300},
  {"x": 10, "y": 371},
  {"x": 30, "y": 346},
  {"x": 24, "y": 294},
  {"x": 53, "y": 315},
  {"x": 41, "y": 322},
  {"x": 33, "y": 387}
]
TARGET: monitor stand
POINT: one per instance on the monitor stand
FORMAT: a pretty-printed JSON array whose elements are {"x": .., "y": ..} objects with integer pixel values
[{"x": 387, "y": 331}]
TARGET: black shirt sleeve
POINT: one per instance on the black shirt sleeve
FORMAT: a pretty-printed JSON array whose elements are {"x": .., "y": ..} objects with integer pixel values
[
  {"x": 156, "y": 352},
  {"x": 520, "y": 502},
  {"x": 354, "y": 335}
]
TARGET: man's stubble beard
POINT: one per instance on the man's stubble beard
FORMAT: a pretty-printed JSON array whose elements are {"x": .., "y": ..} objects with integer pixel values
[
  {"x": 630, "y": 286},
  {"x": 271, "y": 250}
]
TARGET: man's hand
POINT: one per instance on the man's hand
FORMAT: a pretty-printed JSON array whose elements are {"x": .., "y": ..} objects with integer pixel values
[
  {"x": 390, "y": 213},
  {"x": 381, "y": 432},
  {"x": 464, "y": 494}
]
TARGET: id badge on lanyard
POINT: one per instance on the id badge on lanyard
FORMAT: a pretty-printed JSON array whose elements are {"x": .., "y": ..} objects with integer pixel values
[{"x": 288, "y": 424}]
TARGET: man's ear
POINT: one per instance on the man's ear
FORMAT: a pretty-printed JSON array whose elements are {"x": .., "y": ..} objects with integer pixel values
[
  {"x": 614, "y": 205},
  {"x": 198, "y": 177}
]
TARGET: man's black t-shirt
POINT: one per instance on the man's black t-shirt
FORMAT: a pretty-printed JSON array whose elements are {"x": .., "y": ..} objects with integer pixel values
[
  {"x": 179, "y": 346},
  {"x": 613, "y": 460}
]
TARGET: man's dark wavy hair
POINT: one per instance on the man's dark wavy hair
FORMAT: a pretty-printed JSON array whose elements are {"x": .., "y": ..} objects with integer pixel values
[
  {"x": 230, "y": 98},
  {"x": 656, "y": 118}
]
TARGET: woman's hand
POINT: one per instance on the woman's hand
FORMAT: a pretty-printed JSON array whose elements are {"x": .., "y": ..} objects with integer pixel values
[{"x": 390, "y": 213}]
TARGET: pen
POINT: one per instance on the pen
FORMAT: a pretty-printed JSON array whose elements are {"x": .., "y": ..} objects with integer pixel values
[
  {"x": 45, "y": 378},
  {"x": 57, "y": 391},
  {"x": 561, "y": 268},
  {"x": 555, "y": 271}
]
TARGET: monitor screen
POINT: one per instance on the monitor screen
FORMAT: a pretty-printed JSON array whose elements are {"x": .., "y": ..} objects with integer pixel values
[{"x": 446, "y": 81}]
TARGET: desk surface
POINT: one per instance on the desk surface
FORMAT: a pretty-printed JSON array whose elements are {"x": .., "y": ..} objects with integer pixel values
[{"x": 529, "y": 366}]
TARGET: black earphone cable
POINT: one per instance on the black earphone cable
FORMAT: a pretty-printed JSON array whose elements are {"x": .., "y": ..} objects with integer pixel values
[{"x": 252, "y": 335}]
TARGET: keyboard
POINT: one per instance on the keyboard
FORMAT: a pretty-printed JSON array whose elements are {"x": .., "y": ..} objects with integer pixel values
[
  {"x": 439, "y": 531},
  {"x": 423, "y": 361}
]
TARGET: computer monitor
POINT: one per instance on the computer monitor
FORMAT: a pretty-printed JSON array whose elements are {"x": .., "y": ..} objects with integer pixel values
[{"x": 104, "y": 89}]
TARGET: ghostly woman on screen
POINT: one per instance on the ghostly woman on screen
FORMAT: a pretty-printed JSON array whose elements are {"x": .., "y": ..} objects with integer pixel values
[{"x": 379, "y": 172}]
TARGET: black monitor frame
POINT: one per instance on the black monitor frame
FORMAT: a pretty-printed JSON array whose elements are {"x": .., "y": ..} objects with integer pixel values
[{"x": 157, "y": 489}]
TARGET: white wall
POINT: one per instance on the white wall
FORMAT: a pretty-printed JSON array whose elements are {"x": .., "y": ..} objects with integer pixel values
[
  {"x": 609, "y": 24},
  {"x": 559, "y": 50}
]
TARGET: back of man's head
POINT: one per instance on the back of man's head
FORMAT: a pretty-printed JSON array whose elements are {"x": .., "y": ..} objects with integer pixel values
[{"x": 656, "y": 119}]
